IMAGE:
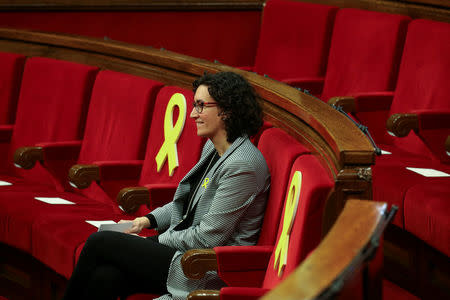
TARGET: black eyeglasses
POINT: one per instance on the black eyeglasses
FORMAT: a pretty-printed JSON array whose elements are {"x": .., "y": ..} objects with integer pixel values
[{"x": 199, "y": 105}]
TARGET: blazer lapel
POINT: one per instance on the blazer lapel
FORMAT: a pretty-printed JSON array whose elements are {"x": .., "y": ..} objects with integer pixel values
[{"x": 204, "y": 184}]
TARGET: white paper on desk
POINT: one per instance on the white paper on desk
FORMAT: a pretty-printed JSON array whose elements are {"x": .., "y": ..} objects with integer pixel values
[
  {"x": 429, "y": 172},
  {"x": 98, "y": 223},
  {"x": 54, "y": 200},
  {"x": 384, "y": 152},
  {"x": 4, "y": 183},
  {"x": 119, "y": 227}
]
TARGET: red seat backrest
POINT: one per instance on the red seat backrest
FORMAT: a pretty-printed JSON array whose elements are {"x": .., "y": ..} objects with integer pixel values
[
  {"x": 53, "y": 101},
  {"x": 365, "y": 52},
  {"x": 188, "y": 146},
  {"x": 424, "y": 76},
  {"x": 294, "y": 39},
  {"x": 10, "y": 78},
  {"x": 300, "y": 228},
  {"x": 280, "y": 150},
  {"x": 118, "y": 118}
]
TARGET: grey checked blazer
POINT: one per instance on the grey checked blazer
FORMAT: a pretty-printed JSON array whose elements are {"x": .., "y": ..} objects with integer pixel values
[{"x": 229, "y": 211}]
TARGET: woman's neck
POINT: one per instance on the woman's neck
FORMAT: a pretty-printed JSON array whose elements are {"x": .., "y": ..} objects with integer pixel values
[{"x": 221, "y": 145}]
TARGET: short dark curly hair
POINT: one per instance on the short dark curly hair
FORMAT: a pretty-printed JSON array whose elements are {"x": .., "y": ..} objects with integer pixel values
[{"x": 237, "y": 100}]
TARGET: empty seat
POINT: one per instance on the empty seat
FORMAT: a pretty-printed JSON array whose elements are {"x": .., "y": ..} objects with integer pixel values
[
  {"x": 51, "y": 108},
  {"x": 420, "y": 103},
  {"x": 116, "y": 129},
  {"x": 365, "y": 52},
  {"x": 294, "y": 41}
]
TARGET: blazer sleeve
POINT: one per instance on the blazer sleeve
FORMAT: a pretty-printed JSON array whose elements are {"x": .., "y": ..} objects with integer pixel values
[
  {"x": 237, "y": 188},
  {"x": 163, "y": 215}
]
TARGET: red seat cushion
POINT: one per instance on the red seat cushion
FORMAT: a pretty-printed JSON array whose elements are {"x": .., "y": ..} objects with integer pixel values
[
  {"x": 391, "y": 180},
  {"x": 427, "y": 212}
]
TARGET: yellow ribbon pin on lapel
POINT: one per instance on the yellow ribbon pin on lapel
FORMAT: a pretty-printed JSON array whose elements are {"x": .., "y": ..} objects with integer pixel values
[
  {"x": 205, "y": 183},
  {"x": 172, "y": 133}
]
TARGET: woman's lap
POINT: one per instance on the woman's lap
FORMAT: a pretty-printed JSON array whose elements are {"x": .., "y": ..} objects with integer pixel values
[{"x": 142, "y": 261}]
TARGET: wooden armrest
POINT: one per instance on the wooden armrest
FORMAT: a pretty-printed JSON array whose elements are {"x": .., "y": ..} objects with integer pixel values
[
  {"x": 447, "y": 145},
  {"x": 401, "y": 124},
  {"x": 197, "y": 262},
  {"x": 81, "y": 176},
  {"x": 347, "y": 103},
  {"x": 204, "y": 295},
  {"x": 131, "y": 198},
  {"x": 26, "y": 157}
]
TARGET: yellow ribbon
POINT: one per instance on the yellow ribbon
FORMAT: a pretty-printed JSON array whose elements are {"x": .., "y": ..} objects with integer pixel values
[
  {"x": 290, "y": 211},
  {"x": 205, "y": 182},
  {"x": 172, "y": 133}
]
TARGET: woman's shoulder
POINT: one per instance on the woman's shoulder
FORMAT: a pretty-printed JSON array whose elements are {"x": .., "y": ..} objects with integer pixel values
[{"x": 248, "y": 153}]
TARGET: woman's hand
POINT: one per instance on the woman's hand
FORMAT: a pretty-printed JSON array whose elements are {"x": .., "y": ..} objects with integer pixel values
[{"x": 137, "y": 226}]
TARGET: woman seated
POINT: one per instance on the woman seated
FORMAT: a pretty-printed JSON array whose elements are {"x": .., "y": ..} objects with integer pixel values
[{"x": 220, "y": 202}]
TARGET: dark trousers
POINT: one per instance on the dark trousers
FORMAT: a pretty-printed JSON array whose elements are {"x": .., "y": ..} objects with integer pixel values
[{"x": 114, "y": 264}]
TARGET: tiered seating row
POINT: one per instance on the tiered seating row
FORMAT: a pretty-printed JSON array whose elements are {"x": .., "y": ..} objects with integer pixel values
[
  {"x": 54, "y": 233},
  {"x": 391, "y": 73}
]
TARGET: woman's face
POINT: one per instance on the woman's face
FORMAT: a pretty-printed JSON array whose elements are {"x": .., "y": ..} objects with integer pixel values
[{"x": 209, "y": 122}]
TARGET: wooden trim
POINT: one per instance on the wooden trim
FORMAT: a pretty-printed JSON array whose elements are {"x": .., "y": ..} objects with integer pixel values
[
  {"x": 428, "y": 9},
  {"x": 414, "y": 10},
  {"x": 127, "y": 5}
]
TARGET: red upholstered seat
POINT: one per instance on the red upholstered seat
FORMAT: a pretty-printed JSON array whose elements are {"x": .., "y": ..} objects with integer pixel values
[
  {"x": 422, "y": 89},
  {"x": 118, "y": 112},
  {"x": 163, "y": 182},
  {"x": 294, "y": 41},
  {"x": 51, "y": 108},
  {"x": 10, "y": 78},
  {"x": 365, "y": 52},
  {"x": 280, "y": 150},
  {"x": 299, "y": 231},
  {"x": 188, "y": 147},
  {"x": 427, "y": 212}
]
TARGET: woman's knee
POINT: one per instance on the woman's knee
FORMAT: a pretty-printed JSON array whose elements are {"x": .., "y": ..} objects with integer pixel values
[{"x": 100, "y": 240}]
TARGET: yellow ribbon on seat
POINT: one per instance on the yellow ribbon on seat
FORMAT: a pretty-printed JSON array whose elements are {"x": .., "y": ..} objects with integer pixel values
[
  {"x": 290, "y": 211},
  {"x": 172, "y": 133}
]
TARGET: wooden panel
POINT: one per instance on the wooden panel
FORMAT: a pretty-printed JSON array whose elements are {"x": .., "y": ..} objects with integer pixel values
[{"x": 130, "y": 5}]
